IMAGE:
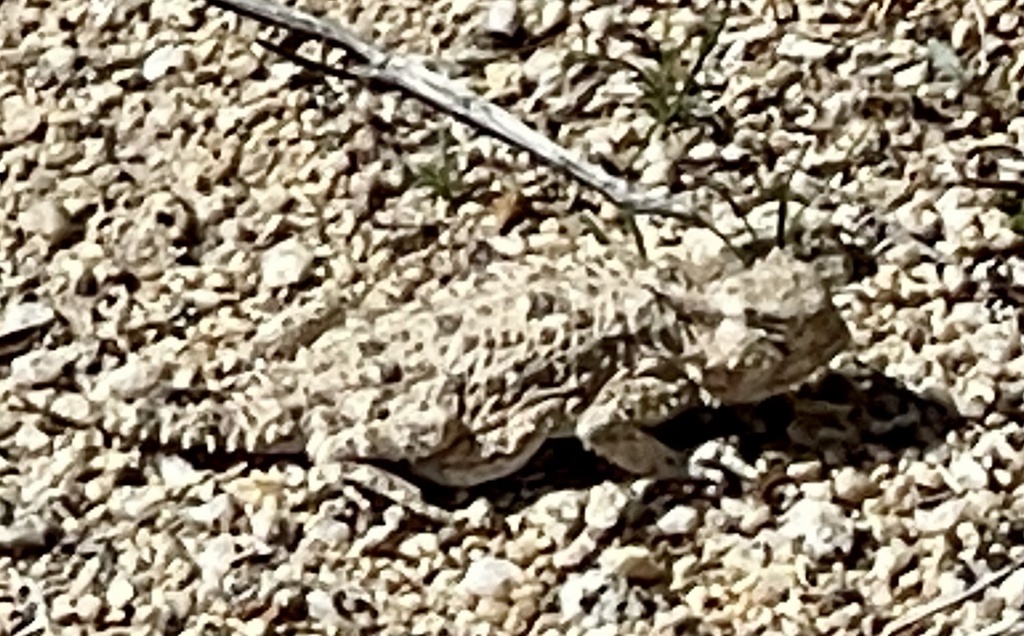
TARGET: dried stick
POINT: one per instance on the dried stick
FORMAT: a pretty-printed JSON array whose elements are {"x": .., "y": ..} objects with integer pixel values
[
  {"x": 919, "y": 614},
  {"x": 373, "y": 64}
]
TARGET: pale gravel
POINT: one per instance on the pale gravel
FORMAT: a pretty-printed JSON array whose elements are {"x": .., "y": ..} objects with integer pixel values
[{"x": 173, "y": 198}]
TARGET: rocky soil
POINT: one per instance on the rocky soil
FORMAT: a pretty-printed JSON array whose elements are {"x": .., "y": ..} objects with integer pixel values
[{"x": 171, "y": 190}]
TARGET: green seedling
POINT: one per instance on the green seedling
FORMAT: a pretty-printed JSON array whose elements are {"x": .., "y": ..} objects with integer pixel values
[{"x": 442, "y": 177}]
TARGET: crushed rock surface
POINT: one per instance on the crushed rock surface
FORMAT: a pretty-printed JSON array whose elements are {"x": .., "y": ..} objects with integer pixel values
[{"x": 176, "y": 201}]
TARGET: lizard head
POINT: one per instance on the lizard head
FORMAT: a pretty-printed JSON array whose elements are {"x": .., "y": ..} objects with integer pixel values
[{"x": 768, "y": 328}]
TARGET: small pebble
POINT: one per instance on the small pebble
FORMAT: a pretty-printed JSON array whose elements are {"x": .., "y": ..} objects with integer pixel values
[
  {"x": 605, "y": 506},
  {"x": 940, "y": 519},
  {"x": 120, "y": 593},
  {"x": 634, "y": 563},
  {"x": 491, "y": 577},
  {"x": 24, "y": 317},
  {"x": 162, "y": 61},
  {"x": 792, "y": 45},
  {"x": 19, "y": 118},
  {"x": 47, "y": 220},
  {"x": 1011, "y": 590},
  {"x": 681, "y": 520},
  {"x": 853, "y": 486},
  {"x": 285, "y": 264},
  {"x": 968, "y": 474},
  {"x": 502, "y": 19}
]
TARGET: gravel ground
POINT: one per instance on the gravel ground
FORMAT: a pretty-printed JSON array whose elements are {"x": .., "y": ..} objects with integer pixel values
[{"x": 171, "y": 189}]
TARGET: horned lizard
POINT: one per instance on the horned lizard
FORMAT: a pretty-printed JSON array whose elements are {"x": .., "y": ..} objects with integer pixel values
[{"x": 464, "y": 384}]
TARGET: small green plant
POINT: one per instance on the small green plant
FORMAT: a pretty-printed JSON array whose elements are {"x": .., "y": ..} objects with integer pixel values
[
  {"x": 442, "y": 177},
  {"x": 669, "y": 87},
  {"x": 1012, "y": 203}
]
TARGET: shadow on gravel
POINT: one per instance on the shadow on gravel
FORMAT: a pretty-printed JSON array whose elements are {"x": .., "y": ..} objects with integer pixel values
[
  {"x": 859, "y": 420},
  {"x": 846, "y": 420}
]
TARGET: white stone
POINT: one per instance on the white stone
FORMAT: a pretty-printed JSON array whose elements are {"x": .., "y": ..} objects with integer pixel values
[
  {"x": 507, "y": 245},
  {"x": 322, "y": 609},
  {"x": 575, "y": 553},
  {"x": 889, "y": 559},
  {"x": 1011, "y": 590},
  {"x": 209, "y": 513},
  {"x": 45, "y": 219},
  {"x": 502, "y": 18},
  {"x": 792, "y": 45},
  {"x": 605, "y": 505},
  {"x": 681, "y": 520},
  {"x": 479, "y": 514},
  {"x": 120, "y": 592},
  {"x": 177, "y": 473},
  {"x": 41, "y": 366},
  {"x": 491, "y": 577},
  {"x": 598, "y": 20},
  {"x": 19, "y": 118},
  {"x": 804, "y": 471},
  {"x": 974, "y": 395},
  {"x": 500, "y": 77},
  {"x": 285, "y": 264},
  {"x": 88, "y": 607},
  {"x": 551, "y": 13},
  {"x": 264, "y": 521},
  {"x": 160, "y": 62},
  {"x": 140, "y": 502},
  {"x": 968, "y": 473},
  {"x": 954, "y": 278},
  {"x": 62, "y": 608},
  {"x": 853, "y": 486},
  {"x": 73, "y": 407},
  {"x": 734, "y": 152},
  {"x": 29, "y": 437},
  {"x": 423, "y": 545},
  {"x": 576, "y": 589},
  {"x": 956, "y": 217},
  {"x": 542, "y": 63},
  {"x": 656, "y": 173},
  {"x": 633, "y": 562},
  {"x": 940, "y": 519},
  {"x": 60, "y": 59},
  {"x": 130, "y": 380},
  {"x": 25, "y": 533},
  {"x": 995, "y": 228},
  {"x": 215, "y": 560},
  {"x": 24, "y": 317},
  {"x": 372, "y": 539},
  {"x": 704, "y": 151},
  {"x": 912, "y": 76}
]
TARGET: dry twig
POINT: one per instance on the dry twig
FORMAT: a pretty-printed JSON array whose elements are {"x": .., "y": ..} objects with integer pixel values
[
  {"x": 918, "y": 614},
  {"x": 370, "y": 63}
]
